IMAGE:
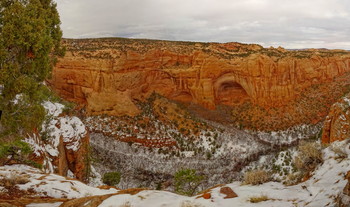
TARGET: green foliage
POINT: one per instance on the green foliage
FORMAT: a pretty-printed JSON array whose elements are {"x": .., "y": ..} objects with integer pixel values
[
  {"x": 30, "y": 38},
  {"x": 17, "y": 150},
  {"x": 187, "y": 181},
  {"x": 111, "y": 178}
]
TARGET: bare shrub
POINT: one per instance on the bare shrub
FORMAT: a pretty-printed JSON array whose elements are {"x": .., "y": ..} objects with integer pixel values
[
  {"x": 13, "y": 180},
  {"x": 309, "y": 156},
  {"x": 256, "y": 177},
  {"x": 293, "y": 178},
  {"x": 258, "y": 199}
]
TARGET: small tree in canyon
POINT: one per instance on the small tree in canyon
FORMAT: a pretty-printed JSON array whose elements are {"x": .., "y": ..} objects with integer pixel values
[{"x": 187, "y": 181}]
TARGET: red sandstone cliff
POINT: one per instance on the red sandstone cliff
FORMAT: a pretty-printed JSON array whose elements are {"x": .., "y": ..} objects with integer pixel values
[
  {"x": 106, "y": 75},
  {"x": 337, "y": 124}
]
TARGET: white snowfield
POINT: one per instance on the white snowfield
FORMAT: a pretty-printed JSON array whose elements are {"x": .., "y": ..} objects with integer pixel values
[{"x": 327, "y": 181}]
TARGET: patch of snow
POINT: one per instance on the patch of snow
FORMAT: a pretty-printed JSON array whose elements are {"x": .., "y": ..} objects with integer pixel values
[
  {"x": 95, "y": 178},
  {"x": 347, "y": 101},
  {"x": 18, "y": 98},
  {"x": 188, "y": 153},
  {"x": 50, "y": 184},
  {"x": 36, "y": 144},
  {"x": 53, "y": 109},
  {"x": 70, "y": 174},
  {"x": 57, "y": 204},
  {"x": 290, "y": 135}
]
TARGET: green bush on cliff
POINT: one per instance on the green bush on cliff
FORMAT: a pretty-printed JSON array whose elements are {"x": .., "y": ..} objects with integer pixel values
[{"x": 15, "y": 151}]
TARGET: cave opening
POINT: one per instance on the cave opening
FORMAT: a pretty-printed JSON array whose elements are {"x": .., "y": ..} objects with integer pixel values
[
  {"x": 231, "y": 93},
  {"x": 182, "y": 96}
]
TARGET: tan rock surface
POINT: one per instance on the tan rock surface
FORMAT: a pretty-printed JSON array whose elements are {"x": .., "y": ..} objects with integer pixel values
[
  {"x": 106, "y": 75},
  {"x": 337, "y": 124}
]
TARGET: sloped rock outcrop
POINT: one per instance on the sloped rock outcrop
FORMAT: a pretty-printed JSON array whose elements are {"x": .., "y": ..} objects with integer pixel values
[
  {"x": 106, "y": 75},
  {"x": 337, "y": 124},
  {"x": 62, "y": 145}
]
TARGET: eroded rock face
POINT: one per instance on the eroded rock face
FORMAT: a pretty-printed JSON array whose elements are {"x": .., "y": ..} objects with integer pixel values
[
  {"x": 337, "y": 124},
  {"x": 106, "y": 75},
  {"x": 62, "y": 145}
]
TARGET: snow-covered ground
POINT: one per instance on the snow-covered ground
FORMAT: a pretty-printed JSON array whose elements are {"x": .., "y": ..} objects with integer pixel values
[
  {"x": 44, "y": 184},
  {"x": 321, "y": 189},
  {"x": 327, "y": 181}
]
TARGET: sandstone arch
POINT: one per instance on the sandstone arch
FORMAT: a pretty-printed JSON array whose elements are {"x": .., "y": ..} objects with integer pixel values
[{"x": 229, "y": 91}]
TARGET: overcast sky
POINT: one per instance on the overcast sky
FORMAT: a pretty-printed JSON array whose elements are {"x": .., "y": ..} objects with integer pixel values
[{"x": 286, "y": 23}]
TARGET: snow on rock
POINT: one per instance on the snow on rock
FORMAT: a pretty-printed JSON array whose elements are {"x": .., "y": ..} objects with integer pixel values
[
  {"x": 18, "y": 98},
  {"x": 53, "y": 109},
  {"x": 70, "y": 128},
  {"x": 321, "y": 189},
  {"x": 50, "y": 185},
  {"x": 290, "y": 135}
]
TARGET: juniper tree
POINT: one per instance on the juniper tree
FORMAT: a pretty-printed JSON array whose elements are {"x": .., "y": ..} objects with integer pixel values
[
  {"x": 187, "y": 181},
  {"x": 30, "y": 38}
]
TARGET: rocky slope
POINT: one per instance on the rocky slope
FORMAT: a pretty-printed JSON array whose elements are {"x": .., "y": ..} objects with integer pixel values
[{"x": 107, "y": 75}]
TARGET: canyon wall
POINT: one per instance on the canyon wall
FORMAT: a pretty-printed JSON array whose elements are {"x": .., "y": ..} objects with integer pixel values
[
  {"x": 106, "y": 75},
  {"x": 337, "y": 124}
]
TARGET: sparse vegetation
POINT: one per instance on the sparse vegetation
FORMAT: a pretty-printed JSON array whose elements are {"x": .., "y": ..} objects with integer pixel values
[
  {"x": 310, "y": 107},
  {"x": 310, "y": 155},
  {"x": 16, "y": 151},
  {"x": 293, "y": 178},
  {"x": 256, "y": 177},
  {"x": 258, "y": 199},
  {"x": 111, "y": 178},
  {"x": 13, "y": 180}
]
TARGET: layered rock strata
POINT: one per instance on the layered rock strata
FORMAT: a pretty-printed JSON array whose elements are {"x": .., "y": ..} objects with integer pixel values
[{"x": 107, "y": 75}]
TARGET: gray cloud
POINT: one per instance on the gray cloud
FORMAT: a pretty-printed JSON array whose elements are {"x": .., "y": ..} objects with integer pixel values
[{"x": 291, "y": 24}]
